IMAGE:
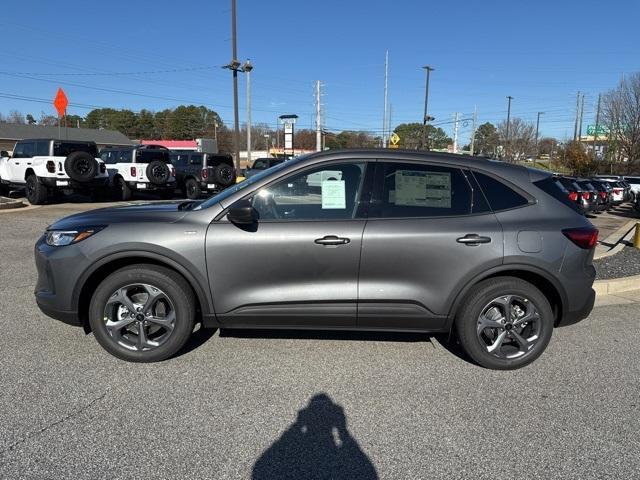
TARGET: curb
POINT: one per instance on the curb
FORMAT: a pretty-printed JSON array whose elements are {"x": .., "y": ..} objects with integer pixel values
[
  {"x": 23, "y": 208},
  {"x": 616, "y": 239},
  {"x": 616, "y": 285},
  {"x": 10, "y": 203}
]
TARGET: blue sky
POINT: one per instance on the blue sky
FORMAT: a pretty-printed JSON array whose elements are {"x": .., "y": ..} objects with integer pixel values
[{"x": 539, "y": 52}]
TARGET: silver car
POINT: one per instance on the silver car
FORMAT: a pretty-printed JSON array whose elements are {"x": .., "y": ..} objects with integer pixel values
[{"x": 389, "y": 240}]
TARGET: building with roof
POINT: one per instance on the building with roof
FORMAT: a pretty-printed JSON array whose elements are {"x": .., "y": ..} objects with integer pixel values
[{"x": 10, "y": 133}]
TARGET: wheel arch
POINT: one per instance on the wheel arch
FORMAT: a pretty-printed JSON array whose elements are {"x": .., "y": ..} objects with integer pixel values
[
  {"x": 100, "y": 270},
  {"x": 28, "y": 172},
  {"x": 549, "y": 286}
]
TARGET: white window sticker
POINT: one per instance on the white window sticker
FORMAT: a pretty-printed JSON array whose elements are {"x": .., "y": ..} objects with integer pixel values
[
  {"x": 333, "y": 194},
  {"x": 416, "y": 188}
]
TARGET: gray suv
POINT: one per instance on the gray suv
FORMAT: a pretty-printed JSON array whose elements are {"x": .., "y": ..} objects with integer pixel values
[{"x": 357, "y": 239}]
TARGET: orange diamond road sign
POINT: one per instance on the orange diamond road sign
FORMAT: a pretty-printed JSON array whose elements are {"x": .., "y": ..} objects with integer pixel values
[{"x": 61, "y": 102}]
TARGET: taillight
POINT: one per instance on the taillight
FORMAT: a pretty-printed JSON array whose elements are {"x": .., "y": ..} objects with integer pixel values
[
  {"x": 586, "y": 195},
  {"x": 173, "y": 172},
  {"x": 617, "y": 191},
  {"x": 51, "y": 166},
  {"x": 573, "y": 196},
  {"x": 603, "y": 194},
  {"x": 205, "y": 173},
  {"x": 583, "y": 237},
  {"x": 133, "y": 171}
]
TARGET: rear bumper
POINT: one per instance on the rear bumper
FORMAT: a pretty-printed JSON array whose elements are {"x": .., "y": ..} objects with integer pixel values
[
  {"x": 574, "y": 316},
  {"x": 151, "y": 187},
  {"x": 52, "y": 182}
]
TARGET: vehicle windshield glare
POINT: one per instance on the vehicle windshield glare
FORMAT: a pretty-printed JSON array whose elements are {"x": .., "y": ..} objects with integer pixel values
[{"x": 246, "y": 183}]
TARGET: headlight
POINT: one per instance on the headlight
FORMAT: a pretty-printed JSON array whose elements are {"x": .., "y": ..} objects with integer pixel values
[{"x": 60, "y": 238}]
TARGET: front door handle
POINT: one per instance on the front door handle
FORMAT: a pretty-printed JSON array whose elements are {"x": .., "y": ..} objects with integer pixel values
[
  {"x": 331, "y": 240},
  {"x": 473, "y": 239}
]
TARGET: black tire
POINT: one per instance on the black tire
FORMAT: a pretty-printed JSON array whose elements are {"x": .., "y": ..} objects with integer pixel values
[
  {"x": 124, "y": 191},
  {"x": 192, "y": 189},
  {"x": 158, "y": 172},
  {"x": 176, "y": 289},
  {"x": 36, "y": 192},
  {"x": 224, "y": 174},
  {"x": 472, "y": 307},
  {"x": 81, "y": 166}
]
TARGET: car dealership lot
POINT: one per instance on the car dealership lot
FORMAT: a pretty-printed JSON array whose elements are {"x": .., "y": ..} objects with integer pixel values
[{"x": 413, "y": 408}]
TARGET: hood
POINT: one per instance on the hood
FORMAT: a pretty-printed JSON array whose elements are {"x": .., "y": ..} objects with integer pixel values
[{"x": 139, "y": 213}]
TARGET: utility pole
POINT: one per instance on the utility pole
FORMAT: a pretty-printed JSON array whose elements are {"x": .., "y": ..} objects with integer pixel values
[
  {"x": 246, "y": 68},
  {"x": 575, "y": 127},
  {"x": 384, "y": 114},
  {"x": 595, "y": 133},
  {"x": 455, "y": 132},
  {"x": 508, "y": 139},
  {"x": 426, "y": 118},
  {"x": 581, "y": 116},
  {"x": 473, "y": 130},
  {"x": 234, "y": 65},
  {"x": 318, "y": 119},
  {"x": 537, "y": 128}
]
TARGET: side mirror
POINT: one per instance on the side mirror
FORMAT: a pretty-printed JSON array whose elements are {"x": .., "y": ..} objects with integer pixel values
[
  {"x": 242, "y": 213},
  {"x": 4, "y": 153}
]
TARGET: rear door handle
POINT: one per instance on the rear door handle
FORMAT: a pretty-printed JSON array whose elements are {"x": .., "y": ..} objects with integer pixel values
[
  {"x": 473, "y": 239},
  {"x": 331, "y": 240}
]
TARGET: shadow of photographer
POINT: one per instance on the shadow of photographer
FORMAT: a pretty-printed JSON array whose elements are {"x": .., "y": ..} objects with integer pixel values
[{"x": 317, "y": 445}]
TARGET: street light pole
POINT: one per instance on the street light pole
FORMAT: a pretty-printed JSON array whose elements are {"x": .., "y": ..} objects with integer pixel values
[
  {"x": 509, "y": 97},
  {"x": 537, "y": 127},
  {"x": 426, "y": 118}
]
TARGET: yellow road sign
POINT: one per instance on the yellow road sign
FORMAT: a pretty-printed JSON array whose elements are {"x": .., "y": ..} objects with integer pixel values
[{"x": 394, "y": 139}]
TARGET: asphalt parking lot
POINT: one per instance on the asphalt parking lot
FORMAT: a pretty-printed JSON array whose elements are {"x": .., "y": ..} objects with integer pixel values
[{"x": 305, "y": 405}]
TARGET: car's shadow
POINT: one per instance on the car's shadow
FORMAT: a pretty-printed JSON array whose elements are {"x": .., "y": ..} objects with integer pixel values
[{"x": 447, "y": 341}]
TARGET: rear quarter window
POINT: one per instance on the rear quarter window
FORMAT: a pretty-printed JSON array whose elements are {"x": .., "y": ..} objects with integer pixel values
[
  {"x": 64, "y": 149},
  {"x": 146, "y": 156},
  {"x": 499, "y": 195},
  {"x": 554, "y": 187}
]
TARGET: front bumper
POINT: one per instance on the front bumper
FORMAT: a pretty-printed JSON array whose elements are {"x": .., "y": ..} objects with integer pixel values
[
  {"x": 57, "y": 267},
  {"x": 53, "y": 182}
]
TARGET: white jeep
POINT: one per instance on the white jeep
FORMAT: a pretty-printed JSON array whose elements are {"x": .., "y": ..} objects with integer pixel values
[
  {"x": 145, "y": 168},
  {"x": 45, "y": 167}
]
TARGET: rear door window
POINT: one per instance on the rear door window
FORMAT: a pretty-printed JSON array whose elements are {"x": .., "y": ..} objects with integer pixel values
[
  {"x": 196, "y": 159},
  {"x": 109, "y": 157},
  {"x": 124, "y": 156},
  {"x": 42, "y": 148},
  {"x": 180, "y": 159},
  {"x": 409, "y": 190}
]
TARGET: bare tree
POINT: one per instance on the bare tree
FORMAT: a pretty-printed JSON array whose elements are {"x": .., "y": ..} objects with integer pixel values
[
  {"x": 621, "y": 113},
  {"x": 48, "y": 120},
  {"x": 16, "y": 117},
  {"x": 522, "y": 139}
]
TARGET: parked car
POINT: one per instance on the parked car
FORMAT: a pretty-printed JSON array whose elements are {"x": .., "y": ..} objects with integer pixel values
[
  {"x": 202, "y": 172},
  {"x": 634, "y": 183},
  {"x": 590, "y": 195},
  {"x": 140, "y": 168},
  {"x": 574, "y": 192},
  {"x": 405, "y": 240},
  {"x": 45, "y": 167},
  {"x": 262, "y": 164},
  {"x": 605, "y": 193}
]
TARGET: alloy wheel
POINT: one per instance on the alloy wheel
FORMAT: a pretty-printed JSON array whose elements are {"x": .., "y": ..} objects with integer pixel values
[
  {"x": 139, "y": 317},
  {"x": 509, "y": 326}
]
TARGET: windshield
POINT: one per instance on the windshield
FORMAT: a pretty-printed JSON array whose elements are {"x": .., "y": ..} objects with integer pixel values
[{"x": 246, "y": 183}]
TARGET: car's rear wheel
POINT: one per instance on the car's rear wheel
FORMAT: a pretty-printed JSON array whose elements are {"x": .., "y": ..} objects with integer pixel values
[
  {"x": 504, "y": 323},
  {"x": 142, "y": 313},
  {"x": 192, "y": 189},
  {"x": 36, "y": 192},
  {"x": 124, "y": 191}
]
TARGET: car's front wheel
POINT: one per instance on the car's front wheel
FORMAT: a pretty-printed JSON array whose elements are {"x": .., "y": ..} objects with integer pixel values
[
  {"x": 504, "y": 323},
  {"x": 142, "y": 313}
]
